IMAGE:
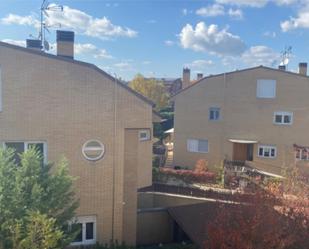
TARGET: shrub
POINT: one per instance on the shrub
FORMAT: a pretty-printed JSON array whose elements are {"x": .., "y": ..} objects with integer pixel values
[
  {"x": 201, "y": 166},
  {"x": 190, "y": 176}
]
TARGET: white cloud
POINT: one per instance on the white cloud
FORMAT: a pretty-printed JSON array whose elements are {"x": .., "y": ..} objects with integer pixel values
[
  {"x": 169, "y": 43},
  {"x": 78, "y": 21},
  {"x": 200, "y": 64},
  {"x": 301, "y": 21},
  {"x": 260, "y": 55},
  {"x": 15, "y": 42},
  {"x": 249, "y": 3},
  {"x": 124, "y": 66},
  {"x": 236, "y": 13},
  {"x": 210, "y": 39},
  {"x": 270, "y": 34},
  {"x": 20, "y": 20},
  {"x": 256, "y": 3},
  {"x": 90, "y": 49},
  {"x": 211, "y": 11}
]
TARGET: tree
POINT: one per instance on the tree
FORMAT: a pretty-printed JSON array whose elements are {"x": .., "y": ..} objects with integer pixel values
[
  {"x": 34, "y": 198},
  {"x": 152, "y": 89},
  {"x": 277, "y": 218}
]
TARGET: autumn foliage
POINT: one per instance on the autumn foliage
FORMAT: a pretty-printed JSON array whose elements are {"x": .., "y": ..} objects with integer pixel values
[
  {"x": 276, "y": 218},
  {"x": 200, "y": 174}
]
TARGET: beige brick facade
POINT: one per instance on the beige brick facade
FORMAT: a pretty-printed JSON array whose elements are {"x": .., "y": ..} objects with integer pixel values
[
  {"x": 65, "y": 104},
  {"x": 243, "y": 116}
]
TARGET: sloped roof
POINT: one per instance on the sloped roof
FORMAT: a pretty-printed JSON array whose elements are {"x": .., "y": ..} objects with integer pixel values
[
  {"x": 85, "y": 64},
  {"x": 240, "y": 71}
]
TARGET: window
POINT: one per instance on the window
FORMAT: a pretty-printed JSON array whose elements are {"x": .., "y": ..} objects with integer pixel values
[
  {"x": 86, "y": 226},
  {"x": 93, "y": 150},
  {"x": 302, "y": 154},
  {"x": 197, "y": 145},
  {"x": 266, "y": 89},
  {"x": 283, "y": 118},
  {"x": 267, "y": 151},
  {"x": 214, "y": 113},
  {"x": 21, "y": 147},
  {"x": 144, "y": 135}
]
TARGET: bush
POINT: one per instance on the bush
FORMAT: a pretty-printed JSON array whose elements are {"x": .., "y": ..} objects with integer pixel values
[
  {"x": 190, "y": 176},
  {"x": 201, "y": 166}
]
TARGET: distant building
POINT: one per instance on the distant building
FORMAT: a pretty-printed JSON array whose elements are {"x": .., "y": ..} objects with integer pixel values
[{"x": 258, "y": 115}]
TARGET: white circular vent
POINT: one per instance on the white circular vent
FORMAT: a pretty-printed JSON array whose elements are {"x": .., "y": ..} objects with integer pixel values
[{"x": 93, "y": 150}]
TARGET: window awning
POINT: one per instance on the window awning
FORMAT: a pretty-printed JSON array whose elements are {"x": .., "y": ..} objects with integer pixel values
[
  {"x": 169, "y": 131},
  {"x": 242, "y": 141},
  {"x": 269, "y": 174}
]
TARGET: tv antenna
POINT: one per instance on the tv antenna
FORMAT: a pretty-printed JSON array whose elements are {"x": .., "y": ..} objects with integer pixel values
[
  {"x": 285, "y": 56},
  {"x": 45, "y": 7}
]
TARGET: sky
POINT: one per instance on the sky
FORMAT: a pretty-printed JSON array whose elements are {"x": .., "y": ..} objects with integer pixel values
[{"x": 158, "y": 38}]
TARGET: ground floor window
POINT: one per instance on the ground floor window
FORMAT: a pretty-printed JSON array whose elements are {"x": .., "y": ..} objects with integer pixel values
[
  {"x": 21, "y": 147},
  {"x": 267, "y": 151},
  {"x": 301, "y": 153},
  {"x": 86, "y": 227},
  {"x": 197, "y": 145}
]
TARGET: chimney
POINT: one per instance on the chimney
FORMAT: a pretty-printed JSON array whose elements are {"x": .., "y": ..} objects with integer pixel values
[
  {"x": 65, "y": 44},
  {"x": 199, "y": 76},
  {"x": 34, "y": 44},
  {"x": 282, "y": 67},
  {"x": 186, "y": 77},
  {"x": 302, "y": 68}
]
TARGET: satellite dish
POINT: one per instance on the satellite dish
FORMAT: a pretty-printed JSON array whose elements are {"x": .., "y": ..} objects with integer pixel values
[
  {"x": 46, "y": 45},
  {"x": 285, "y": 61}
]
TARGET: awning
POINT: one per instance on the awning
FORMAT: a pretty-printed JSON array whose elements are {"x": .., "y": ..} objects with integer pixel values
[
  {"x": 169, "y": 131},
  {"x": 242, "y": 141},
  {"x": 269, "y": 174}
]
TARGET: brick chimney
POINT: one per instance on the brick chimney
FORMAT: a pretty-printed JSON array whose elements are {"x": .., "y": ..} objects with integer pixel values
[
  {"x": 302, "y": 68},
  {"x": 186, "y": 81},
  {"x": 199, "y": 76},
  {"x": 65, "y": 44}
]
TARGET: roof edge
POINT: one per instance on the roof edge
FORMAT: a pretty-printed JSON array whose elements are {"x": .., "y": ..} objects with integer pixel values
[
  {"x": 238, "y": 71},
  {"x": 82, "y": 63}
]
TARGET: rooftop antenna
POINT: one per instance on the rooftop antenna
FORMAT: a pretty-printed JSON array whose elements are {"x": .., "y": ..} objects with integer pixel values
[
  {"x": 45, "y": 7},
  {"x": 285, "y": 56}
]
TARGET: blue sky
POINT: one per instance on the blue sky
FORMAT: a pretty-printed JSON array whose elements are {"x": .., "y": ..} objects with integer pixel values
[{"x": 158, "y": 38}]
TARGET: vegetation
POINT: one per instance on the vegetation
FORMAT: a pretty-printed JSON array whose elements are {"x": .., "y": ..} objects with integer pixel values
[
  {"x": 277, "y": 218},
  {"x": 161, "y": 246},
  {"x": 35, "y": 204},
  {"x": 152, "y": 89},
  {"x": 200, "y": 174}
]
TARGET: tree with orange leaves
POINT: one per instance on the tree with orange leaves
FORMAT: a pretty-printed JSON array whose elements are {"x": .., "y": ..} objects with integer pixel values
[{"x": 276, "y": 218}]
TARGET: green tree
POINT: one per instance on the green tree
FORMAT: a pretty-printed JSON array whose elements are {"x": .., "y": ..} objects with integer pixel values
[
  {"x": 152, "y": 89},
  {"x": 34, "y": 197}
]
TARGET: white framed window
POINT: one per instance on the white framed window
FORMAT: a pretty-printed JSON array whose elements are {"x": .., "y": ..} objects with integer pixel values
[
  {"x": 93, "y": 150},
  {"x": 267, "y": 151},
  {"x": 144, "y": 135},
  {"x": 197, "y": 145},
  {"x": 214, "y": 113},
  {"x": 22, "y": 146},
  {"x": 283, "y": 118},
  {"x": 86, "y": 225},
  {"x": 266, "y": 88},
  {"x": 302, "y": 154}
]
